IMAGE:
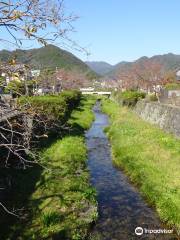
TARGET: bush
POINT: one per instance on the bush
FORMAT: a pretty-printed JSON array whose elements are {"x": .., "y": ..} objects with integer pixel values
[
  {"x": 72, "y": 98},
  {"x": 53, "y": 107},
  {"x": 172, "y": 86},
  {"x": 152, "y": 97},
  {"x": 130, "y": 98}
]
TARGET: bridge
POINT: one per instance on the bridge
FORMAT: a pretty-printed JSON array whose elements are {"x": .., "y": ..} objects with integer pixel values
[
  {"x": 96, "y": 93},
  {"x": 91, "y": 91}
]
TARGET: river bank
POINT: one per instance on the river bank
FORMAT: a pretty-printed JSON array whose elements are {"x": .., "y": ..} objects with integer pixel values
[
  {"x": 150, "y": 158},
  {"x": 55, "y": 199}
]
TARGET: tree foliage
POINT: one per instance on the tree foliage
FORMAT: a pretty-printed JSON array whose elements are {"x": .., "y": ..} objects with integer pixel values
[{"x": 129, "y": 98}]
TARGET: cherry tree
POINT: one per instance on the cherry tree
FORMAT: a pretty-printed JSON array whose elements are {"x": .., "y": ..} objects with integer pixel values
[
  {"x": 147, "y": 75},
  {"x": 70, "y": 79},
  {"x": 41, "y": 20}
]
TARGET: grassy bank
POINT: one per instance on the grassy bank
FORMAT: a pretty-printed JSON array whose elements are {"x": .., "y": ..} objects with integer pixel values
[
  {"x": 150, "y": 157},
  {"x": 58, "y": 200}
]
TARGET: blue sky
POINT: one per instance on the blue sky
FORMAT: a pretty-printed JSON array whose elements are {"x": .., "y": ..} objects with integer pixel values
[{"x": 117, "y": 30}]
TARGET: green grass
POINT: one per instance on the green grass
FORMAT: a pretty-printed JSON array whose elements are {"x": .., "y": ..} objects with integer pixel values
[
  {"x": 60, "y": 201},
  {"x": 83, "y": 117},
  {"x": 150, "y": 157},
  {"x": 64, "y": 206}
]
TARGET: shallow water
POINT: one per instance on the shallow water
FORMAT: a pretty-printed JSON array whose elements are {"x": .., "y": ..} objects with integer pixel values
[{"x": 121, "y": 208}]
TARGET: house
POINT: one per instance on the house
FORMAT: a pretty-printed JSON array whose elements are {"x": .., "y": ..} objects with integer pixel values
[
  {"x": 35, "y": 73},
  {"x": 170, "y": 97}
]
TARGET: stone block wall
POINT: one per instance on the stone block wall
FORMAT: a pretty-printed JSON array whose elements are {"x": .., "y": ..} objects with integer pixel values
[{"x": 166, "y": 117}]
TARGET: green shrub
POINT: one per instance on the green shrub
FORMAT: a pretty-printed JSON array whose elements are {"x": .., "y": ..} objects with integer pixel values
[
  {"x": 54, "y": 107},
  {"x": 172, "y": 86},
  {"x": 72, "y": 98},
  {"x": 152, "y": 97},
  {"x": 130, "y": 98}
]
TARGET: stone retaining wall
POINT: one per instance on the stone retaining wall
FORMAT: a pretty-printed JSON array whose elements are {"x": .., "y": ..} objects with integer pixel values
[{"x": 166, "y": 117}]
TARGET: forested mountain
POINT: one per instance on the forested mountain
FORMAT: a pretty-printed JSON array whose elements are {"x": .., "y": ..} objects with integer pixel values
[
  {"x": 100, "y": 68},
  {"x": 169, "y": 62},
  {"x": 49, "y": 56}
]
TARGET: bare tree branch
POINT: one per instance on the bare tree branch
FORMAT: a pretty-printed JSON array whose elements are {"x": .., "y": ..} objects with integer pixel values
[{"x": 40, "y": 20}]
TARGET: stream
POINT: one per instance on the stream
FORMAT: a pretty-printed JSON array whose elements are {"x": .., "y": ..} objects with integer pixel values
[{"x": 121, "y": 208}]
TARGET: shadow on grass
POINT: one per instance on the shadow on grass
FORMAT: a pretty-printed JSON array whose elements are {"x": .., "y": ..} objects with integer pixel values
[{"x": 23, "y": 185}]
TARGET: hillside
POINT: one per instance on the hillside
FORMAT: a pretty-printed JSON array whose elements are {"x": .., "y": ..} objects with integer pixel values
[
  {"x": 47, "y": 57},
  {"x": 100, "y": 68},
  {"x": 118, "y": 67},
  {"x": 169, "y": 62}
]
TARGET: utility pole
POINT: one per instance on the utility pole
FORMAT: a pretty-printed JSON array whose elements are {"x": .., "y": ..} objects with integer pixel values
[{"x": 25, "y": 84}]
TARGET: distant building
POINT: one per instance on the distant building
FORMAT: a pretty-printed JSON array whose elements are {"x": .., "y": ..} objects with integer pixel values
[
  {"x": 35, "y": 73},
  {"x": 90, "y": 89},
  {"x": 178, "y": 75},
  {"x": 170, "y": 97}
]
